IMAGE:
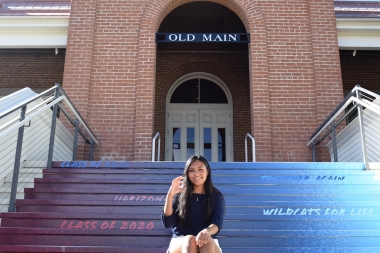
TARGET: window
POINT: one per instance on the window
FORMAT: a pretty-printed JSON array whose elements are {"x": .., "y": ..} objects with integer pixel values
[{"x": 199, "y": 91}]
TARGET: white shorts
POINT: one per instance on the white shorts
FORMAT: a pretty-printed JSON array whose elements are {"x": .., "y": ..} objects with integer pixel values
[{"x": 173, "y": 240}]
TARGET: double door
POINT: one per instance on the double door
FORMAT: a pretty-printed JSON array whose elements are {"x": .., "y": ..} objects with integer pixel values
[{"x": 199, "y": 131}]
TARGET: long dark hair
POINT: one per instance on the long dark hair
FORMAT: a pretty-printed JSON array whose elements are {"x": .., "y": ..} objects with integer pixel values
[{"x": 184, "y": 200}]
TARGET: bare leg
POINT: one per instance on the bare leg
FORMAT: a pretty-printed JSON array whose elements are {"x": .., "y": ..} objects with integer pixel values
[
  {"x": 186, "y": 244},
  {"x": 210, "y": 247}
]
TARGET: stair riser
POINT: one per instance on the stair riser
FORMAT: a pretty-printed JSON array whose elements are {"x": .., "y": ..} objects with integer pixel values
[
  {"x": 89, "y": 249},
  {"x": 84, "y": 224},
  {"x": 105, "y": 225},
  {"x": 75, "y": 240},
  {"x": 162, "y": 197},
  {"x": 165, "y": 186},
  {"x": 92, "y": 209},
  {"x": 155, "y": 241}
]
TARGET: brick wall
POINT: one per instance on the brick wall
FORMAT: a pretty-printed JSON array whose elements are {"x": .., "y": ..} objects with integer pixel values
[
  {"x": 31, "y": 68},
  {"x": 294, "y": 72}
]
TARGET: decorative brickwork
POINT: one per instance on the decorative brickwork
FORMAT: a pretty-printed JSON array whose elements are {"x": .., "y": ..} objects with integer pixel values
[{"x": 112, "y": 72}]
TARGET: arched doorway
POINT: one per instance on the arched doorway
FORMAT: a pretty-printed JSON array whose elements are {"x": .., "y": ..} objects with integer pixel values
[
  {"x": 225, "y": 64},
  {"x": 199, "y": 119}
]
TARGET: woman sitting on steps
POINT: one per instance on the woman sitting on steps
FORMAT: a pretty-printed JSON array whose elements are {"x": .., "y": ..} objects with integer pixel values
[{"x": 194, "y": 209}]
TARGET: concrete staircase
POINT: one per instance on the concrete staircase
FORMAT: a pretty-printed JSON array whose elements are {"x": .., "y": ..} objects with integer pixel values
[
  {"x": 26, "y": 180},
  {"x": 270, "y": 207}
]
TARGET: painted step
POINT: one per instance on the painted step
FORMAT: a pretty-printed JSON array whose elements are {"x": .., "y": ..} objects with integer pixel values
[
  {"x": 125, "y": 249},
  {"x": 103, "y": 173},
  {"x": 79, "y": 249},
  {"x": 113, "y": 222},
  {"x": 157, "y": 196},
  {"x": 57, "y": 237},
  {"x": 270, "y": 190}
]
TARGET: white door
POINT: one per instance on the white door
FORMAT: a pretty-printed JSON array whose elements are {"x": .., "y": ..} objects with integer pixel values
[{"x": 199, "y": 131}]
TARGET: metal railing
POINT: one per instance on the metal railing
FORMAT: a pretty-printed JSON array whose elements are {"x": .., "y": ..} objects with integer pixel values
[
  {"x": 253, "y": 148},
  {"x": 48, "y": 131},
  {"x": 154, "y": 146},
  {"x": 354, "y": 129}
]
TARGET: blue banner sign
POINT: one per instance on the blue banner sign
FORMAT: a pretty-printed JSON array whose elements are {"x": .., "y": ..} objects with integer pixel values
[{"x": 203, "y": 37}]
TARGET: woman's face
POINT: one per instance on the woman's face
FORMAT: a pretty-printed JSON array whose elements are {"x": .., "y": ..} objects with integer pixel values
[{"x": 197, "y": 173}]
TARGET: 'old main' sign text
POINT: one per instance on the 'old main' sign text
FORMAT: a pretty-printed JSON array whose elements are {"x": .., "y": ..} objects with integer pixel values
[{"x": 203, "y": 37}]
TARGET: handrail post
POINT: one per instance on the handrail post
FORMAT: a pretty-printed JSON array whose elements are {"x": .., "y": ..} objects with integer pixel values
[
  {"x": 333, "y": 136},
  {"x": 91, "y": 149},
  {"x": 253, "y": 148},
  {"x": 154, "y": 146},
  {"x": 52, "y": 131},
  {"x": 75, "y": 139},
  {"x": 361, "y": 130},
  {"x": 12, "y": 200},
  {"x": 246, "y": 149},
  {"x": 313, "y": 152}
]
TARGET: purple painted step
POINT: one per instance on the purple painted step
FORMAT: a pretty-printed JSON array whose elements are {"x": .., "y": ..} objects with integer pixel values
[
  {"x": 79, "y": 249},
  {"x": 101, "y": 183},
  {"x": 160, "y": 196},
  {"x": 60, "y": 215},
  {"x": 58, "y": 237},
  {"x": 85, "y": 224},
  {"x": 90, "y": 209}
]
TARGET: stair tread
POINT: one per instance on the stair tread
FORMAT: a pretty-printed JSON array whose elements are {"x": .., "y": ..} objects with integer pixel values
[
  {"x": 161, "y": 231},
  {"x": 89, "y": 249},
  {"x": 38, "y": 215},
  {"x": 321, "y": 202},
  {"x": 86, "y": 202},
  {"x": 127, "y": 171},
  {"x": 267, "y": 191},
  {"x": 58, "y": 231}
]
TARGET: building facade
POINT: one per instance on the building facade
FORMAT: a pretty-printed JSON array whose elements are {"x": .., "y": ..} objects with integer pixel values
[{"x": 301, "y": 58}]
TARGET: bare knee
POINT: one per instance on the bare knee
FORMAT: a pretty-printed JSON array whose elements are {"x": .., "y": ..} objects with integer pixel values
[{"x": 189, "y": 243}]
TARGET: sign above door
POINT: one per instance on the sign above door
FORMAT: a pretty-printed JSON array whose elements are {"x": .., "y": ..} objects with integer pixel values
[{"x": 203, "y": 37}]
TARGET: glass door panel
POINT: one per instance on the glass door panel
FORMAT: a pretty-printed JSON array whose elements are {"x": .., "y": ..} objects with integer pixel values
[
  {"x": 207, "y": 144},
  {"x": 221, "y": 144},
  {"x": 176, "y": 144},
  {"x": 190, "y": 142},
  {"x": 199, "y": 131},
  {"x": 183, "y": 134}
]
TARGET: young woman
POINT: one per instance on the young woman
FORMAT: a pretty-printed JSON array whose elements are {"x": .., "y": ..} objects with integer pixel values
[{"x": 194, "y": 209}]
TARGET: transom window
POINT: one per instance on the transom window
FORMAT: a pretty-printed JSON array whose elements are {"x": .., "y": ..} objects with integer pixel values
[{"x": 199, "y": 91}]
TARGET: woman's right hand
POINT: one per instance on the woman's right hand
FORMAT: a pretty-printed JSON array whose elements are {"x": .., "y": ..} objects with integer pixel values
[{"x": 177, "y": 185}]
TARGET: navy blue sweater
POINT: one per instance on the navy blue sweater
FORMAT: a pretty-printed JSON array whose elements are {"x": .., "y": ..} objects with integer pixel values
[{"x": 197, "y": 217}]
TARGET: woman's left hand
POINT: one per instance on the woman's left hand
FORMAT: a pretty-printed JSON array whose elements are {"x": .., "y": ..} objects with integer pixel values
[{"x": 203, "y": 237}]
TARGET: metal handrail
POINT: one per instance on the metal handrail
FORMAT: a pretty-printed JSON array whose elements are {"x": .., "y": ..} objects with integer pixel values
[
  {"x": 75, "y": 111},
  {"x": 46, "y": 92},
  {"x": 350, "y": 100},
  {"x": 30, "y": 117},
  {"x": 26, "y": 116},
  {"x": 27, "y": 112},
  {"x": 253, "y": 148},
  {"x": 154, "y": 146},
  {"x": 62, "y": 97},
  {"x": 362, "y": 101},
  {"x": 342, "y": 104}
]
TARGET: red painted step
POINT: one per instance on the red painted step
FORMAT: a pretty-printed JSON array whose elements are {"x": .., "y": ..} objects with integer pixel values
[{"x": 80, "y": 249}]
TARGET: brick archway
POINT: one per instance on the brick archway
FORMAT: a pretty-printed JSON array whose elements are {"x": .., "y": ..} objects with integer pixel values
[
  {"x": 252, "y": 18},
  {"x": 239, "y": 95}
]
